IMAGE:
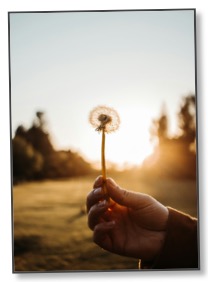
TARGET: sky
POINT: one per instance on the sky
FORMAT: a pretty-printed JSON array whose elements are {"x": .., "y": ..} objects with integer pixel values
[{"x": 67, "y": 63}]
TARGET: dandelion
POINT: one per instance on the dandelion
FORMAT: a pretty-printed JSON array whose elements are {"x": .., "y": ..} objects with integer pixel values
[{"x": 105, "y": 120}]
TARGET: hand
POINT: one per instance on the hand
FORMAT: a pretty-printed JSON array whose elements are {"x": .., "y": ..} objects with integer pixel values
[{"x": 130, "y": 224}]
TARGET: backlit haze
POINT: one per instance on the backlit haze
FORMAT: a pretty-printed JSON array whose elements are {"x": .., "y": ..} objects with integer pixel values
[{"x": 65, "y": 64}]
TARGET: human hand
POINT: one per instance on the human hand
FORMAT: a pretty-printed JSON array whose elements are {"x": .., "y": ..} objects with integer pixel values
[{"x": 130, "y": 224}]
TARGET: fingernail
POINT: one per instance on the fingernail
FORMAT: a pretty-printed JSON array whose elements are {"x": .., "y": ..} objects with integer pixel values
[
  {"x": 102, "y": 203},
  {"x": 98, "y": 181},
  {"x": 98, "y": 190}
]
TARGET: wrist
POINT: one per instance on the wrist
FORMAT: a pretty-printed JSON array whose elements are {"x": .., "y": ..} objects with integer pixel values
[{"x": 157, "y": 243}]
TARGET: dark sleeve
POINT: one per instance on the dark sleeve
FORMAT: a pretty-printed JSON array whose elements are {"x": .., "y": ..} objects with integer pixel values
[{"x": 180, "y": 249}]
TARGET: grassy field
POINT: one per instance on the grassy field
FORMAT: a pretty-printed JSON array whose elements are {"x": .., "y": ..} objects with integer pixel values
[{"x": 50, "y": 223}]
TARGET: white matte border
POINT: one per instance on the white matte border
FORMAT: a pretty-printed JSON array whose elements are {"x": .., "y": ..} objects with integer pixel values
[{"x": 5, "y": 189}]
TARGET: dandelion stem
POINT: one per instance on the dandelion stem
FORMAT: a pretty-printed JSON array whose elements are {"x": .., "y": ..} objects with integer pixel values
[
  {"x": 107, "y": 120},
  {"x": 103, "y": 158},
  {"x": 103, "y": 155}
]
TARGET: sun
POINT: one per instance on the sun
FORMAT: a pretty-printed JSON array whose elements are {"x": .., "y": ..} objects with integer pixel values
[{"x": 131, "y": 144}]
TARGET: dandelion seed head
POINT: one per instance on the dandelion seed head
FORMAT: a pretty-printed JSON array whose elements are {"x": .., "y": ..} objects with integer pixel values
[{"x": 106, "y": 118}]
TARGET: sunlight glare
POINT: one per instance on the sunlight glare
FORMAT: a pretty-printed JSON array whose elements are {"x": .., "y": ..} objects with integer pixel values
[{"x": 130, "y": 145}]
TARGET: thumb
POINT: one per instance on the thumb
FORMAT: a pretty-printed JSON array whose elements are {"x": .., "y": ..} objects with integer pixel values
[{"x": 127, "y": 198}]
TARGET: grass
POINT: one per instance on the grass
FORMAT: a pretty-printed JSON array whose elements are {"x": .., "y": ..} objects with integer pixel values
[{"x": 50, "y": 223}]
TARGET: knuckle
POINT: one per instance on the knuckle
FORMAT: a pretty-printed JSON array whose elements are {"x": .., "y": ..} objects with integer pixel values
[
  {"x": 88, "y": 201},
  {"x": 89, "y": 196},
  {"x": 90, "y": 220},
  {"x": 98, "y": 181},
  {"x": 124, "y": 195}
]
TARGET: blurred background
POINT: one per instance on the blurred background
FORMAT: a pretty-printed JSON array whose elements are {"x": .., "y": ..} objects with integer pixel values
[{"x": 62, "y": 65}]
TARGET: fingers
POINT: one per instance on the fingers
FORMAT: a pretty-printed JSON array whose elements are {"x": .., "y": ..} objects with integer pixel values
[
  {"x": 97, "y": 194},
  {"x": 96, "y": 212},
  {"x": 127, "y": 198},
  {"x": 94, "y": 197},
  {"x": 117, "y": 194},
  {"x": 99, "y": 181},
  {"x": 101, "y": 236}
]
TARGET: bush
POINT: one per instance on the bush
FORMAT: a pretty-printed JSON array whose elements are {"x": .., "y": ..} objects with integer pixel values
[{"x": 27, "y": 162}]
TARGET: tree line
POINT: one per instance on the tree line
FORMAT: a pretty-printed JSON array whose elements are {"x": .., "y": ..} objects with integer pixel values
[
  {"x": 175, "y": 156},
  {"x": 34, "y": 156}
]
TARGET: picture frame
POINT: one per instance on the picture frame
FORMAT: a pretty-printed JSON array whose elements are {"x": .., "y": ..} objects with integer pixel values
[{"x": 48, "y": 191}]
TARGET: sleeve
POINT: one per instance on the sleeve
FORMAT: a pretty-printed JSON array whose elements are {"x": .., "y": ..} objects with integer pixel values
[{"x": 180, "y": 249}]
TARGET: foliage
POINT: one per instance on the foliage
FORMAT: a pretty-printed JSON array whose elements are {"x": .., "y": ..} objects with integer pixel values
[
  {"x": 187, "y": 119},
  {"x": 35, "y": 158},
  {"x": 175, "y": 156},
  {"x": 27, "y": 162},
  {"x": 159, "y": 128}
]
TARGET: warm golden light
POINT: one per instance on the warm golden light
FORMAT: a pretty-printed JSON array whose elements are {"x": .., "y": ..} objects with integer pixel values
[{"x": 131, "y": 143}]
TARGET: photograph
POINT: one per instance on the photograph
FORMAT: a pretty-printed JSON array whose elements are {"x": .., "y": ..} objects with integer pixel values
[{"x": 104, "y": 159}]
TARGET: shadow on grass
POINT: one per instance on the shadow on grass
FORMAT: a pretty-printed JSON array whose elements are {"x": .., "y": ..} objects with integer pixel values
[
  {"x": 82, "y": 212},
  {"x": 24, "y": 244}
]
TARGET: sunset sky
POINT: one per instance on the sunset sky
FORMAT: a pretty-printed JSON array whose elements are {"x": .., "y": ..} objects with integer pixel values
[{"x": 67, "y": 63}]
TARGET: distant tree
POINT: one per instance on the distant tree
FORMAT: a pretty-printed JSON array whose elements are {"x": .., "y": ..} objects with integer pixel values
[
  {"x": 36, "y": 135},
  {"x": 40, "y": 121},
  {"x": 27, "y": 162},
  {"x": 187, "y": 119},
  {"x": 159, "y": 128},
  {"x": 21, "y": 131},
  {"x": 175, "y": 156},
  {"x": 35, "y": 157},
  {"x": 66, "y": 164},
  {"x": 40, "y": 140}
]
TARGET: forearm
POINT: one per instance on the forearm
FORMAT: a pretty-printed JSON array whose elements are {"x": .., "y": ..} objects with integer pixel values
[{"x": 180, "y": 248}]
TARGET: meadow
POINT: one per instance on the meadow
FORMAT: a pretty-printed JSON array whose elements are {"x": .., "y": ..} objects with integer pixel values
[{"x": 50, "y": 222}]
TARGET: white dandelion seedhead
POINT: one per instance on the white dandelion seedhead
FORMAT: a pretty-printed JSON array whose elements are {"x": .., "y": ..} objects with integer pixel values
[{"x": 106, "y": 118}]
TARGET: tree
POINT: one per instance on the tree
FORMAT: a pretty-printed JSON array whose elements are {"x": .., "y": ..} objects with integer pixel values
[
  {"x": 40, "y": 121},
  {"x": 159, "y": 128},
  {"x": 35, "y": 157},
  {"x": 27, "y": 162},
  {"x": 175, "y": 156},
  {"x": 40, "y": 140},
  {"x": 187, "y": 119},
  {"x": 36, "y": 135}
]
